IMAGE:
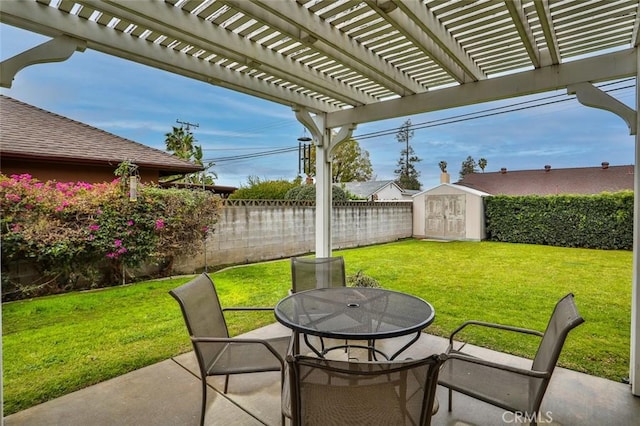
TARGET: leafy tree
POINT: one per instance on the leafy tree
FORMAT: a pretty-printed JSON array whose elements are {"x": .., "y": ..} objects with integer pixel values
[
  {"x": 468, "y": 166},
  {"x": 482, "y": 163},
  {"x": 180, "y": 142},
  {"x": 406, "y": 171},
  {"x": 350, "y": 163},
  {"x": 264, "y": 190}
]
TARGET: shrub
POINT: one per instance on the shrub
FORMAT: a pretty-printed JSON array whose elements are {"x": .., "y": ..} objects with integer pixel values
[
  {"x": 81, "y": 235},
  {"x": 264, "y": 190},
  {"x": 308, "y": 193},
  {"x": 360, "y": 279}
]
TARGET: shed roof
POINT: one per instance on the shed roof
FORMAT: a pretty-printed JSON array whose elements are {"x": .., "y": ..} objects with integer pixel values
[
  {"x": 580, "y": 180},
  {"x": 29, "y": 132},
  {"x": 456, "y": 187}
]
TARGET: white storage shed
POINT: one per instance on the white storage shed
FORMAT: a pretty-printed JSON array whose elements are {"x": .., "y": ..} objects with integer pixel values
[{"x": 449, "y": 212}]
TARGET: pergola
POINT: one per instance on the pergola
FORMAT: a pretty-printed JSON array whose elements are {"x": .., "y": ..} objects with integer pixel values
[{"x": 338, "y": 63}]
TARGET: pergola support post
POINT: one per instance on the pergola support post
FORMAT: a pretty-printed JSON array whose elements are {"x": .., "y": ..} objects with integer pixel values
[
  {"x": 590, "y": 95},
  {"x": 325, "y": 142},
  {"x": 634, "y": 367}
]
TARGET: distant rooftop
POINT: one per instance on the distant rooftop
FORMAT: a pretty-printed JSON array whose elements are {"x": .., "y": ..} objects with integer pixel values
[
  {"x": 549, "y": 181},
  {"x": 366, "y": 189}
]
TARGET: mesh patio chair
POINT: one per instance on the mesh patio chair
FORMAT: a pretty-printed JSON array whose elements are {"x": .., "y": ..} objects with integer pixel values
[
  {"x": 508, "y": 387},
  {"x": 319, "y": 272},
  {"x": 216, "y": 352},
  {"x": 329, "y": 392}
]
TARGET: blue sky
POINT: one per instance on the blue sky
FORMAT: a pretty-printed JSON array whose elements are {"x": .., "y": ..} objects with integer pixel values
[{"x": 142, "y": 104}]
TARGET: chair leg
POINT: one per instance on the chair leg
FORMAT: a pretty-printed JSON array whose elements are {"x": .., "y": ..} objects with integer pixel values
[
  {"x": 204, "y": 401},
  {"x": 450, "y": 396},
  {"x": 226, "y": 383}
]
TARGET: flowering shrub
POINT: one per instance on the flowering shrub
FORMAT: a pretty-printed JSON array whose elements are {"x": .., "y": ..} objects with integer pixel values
[{"x": 81, "y": 234}]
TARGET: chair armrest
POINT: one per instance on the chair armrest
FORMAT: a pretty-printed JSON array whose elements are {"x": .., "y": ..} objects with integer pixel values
[
  {"x": 492, "y": 325},
  {"x": 240, "y": 340},
  {"x": 516, "y": 370}
]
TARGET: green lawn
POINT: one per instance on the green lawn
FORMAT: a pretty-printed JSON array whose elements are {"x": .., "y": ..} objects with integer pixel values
[{"x": 55, "y": 345}]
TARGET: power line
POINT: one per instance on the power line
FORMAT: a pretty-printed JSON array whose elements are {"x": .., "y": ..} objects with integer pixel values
[
  {"x": 254, "y": 155},
  {"x": 440, "y": 122}
]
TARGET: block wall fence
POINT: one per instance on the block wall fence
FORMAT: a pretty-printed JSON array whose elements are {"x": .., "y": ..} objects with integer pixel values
[{"x": 256, "y": 230}]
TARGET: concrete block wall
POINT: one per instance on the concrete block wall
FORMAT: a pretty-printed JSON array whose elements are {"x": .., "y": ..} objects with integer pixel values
[{"x": 253, "y": 230}]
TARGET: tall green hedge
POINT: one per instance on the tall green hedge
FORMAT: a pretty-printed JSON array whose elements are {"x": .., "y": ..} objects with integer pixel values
[{"x": 603, "y": 221}]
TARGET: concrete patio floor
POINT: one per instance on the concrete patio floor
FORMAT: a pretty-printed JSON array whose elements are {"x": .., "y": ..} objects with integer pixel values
[{"x": 168, "y": 393}]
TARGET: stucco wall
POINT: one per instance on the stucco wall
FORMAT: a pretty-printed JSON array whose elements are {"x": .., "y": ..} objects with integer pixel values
[{"x": 252, "y": 231}]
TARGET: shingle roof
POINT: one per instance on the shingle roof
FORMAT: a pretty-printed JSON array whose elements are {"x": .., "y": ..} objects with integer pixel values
[
  {"x": 365, "y": 189},
  {"x": 33, "y": 133},
  {"x": 581, "y": 180}
]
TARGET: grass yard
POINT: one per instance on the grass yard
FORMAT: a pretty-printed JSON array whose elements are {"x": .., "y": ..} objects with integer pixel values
[{"x": 55, "y": 345}]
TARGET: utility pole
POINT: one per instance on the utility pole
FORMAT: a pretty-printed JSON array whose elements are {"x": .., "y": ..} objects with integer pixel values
[
  {"x": 406, "y": 163},
  {"x": 187, "y": 124}
]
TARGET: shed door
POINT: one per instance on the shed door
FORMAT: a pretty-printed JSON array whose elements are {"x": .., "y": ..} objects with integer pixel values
[{"x": 445, "y": 216}]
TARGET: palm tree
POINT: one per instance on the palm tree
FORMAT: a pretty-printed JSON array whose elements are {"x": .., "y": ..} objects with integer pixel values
[{"x": 482, "y": 163}]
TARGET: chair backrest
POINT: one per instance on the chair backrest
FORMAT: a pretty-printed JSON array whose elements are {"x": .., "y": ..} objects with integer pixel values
[
  {"x": 327, "y": 392},
  {"x": 319, "y": 272},
  {"x": 565, "y": 318},
  {"x": 202, "y": 314}
]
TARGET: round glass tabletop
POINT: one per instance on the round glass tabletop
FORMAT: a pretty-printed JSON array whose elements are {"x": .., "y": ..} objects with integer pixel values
[{"x": 358, "y": 313}]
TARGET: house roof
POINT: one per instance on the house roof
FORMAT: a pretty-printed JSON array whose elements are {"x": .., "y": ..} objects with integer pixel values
[
  {"x": 29, "y": 132},
  {"x": 367, "y": 189},
  {"x": 580, "y": 180}
]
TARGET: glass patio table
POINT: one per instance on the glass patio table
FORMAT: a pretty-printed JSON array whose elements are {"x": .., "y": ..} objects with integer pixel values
[{"x": 354, "y": 313}]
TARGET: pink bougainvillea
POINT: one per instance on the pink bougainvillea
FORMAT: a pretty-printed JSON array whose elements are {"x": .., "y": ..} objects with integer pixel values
[{"x": 72, "y": 228}]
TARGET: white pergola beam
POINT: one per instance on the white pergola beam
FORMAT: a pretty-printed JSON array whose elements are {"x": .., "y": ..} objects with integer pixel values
[
  {"x": 556, "y": 77},
  {"x": 48, "y": 21},
  {"x": 55, "y": 50},
  {"x": 420, "y": 25},
  {"x": 544, "y": 15},
  {"x": 294, "y": 20},
  {"x": 516, "y": 10},
  {"x": 590, "y": 95},
  {"x": 177, "y": 24}
]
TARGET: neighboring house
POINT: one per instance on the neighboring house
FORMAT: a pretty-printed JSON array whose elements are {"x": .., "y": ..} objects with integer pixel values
[
  {"x": 52, "y": 147},
  {"x": 375, "y": 190},
  {"x": 548, "y": 181}
]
